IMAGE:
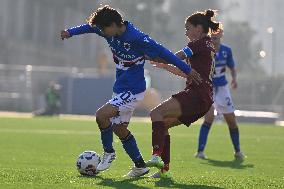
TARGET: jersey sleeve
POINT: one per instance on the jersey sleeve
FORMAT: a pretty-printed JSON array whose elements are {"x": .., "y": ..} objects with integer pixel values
[
  {"x": 148, "y": 46},
  {"x": 187, "y": 52},
  {"x": 82, "y": 29},
  {"x": 194, "y": 48},
  {"x": 152, "y": 49},
  {"x": 230, "y": 59}
]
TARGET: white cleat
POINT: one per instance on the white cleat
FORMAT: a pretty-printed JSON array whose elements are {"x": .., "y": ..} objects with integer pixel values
[
  {"x": 240, "y": 156},
  {"x": 106, "y": 161},
  {"x": 137, "y": 172},
  {"x": 201, "y": 155}
]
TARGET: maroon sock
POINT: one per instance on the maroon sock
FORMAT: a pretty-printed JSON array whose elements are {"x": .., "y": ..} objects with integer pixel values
[
  {"x": 166, "y": 153},
  {"x": 165, "y": 168},
  {"x": 158, "y": 134}
]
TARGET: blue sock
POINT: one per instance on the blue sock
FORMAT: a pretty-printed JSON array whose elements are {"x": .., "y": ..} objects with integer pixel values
[
  {"x": 107, "y": 139},
  {"x": 203, "y": 134},
  {"x": 234, "y": 133},
  {"x": 131, "y": 148}
]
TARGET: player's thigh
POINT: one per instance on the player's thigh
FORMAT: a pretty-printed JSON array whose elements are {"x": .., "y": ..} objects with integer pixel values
[
  {"x": 107, "y": 111},
  {"x": 126, "y": 103},
  {"x": 171, "y": 122},
  {"x": 169, "y": 108},
  {"x": 223, "y": 101}
]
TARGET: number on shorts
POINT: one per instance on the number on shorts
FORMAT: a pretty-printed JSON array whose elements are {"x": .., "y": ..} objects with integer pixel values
[
  {"x": 125, "y": 96},
  {"x": 229, "y": 103}
]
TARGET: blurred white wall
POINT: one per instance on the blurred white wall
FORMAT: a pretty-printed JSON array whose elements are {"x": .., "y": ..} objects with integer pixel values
[{"x": 261, "y": 14}]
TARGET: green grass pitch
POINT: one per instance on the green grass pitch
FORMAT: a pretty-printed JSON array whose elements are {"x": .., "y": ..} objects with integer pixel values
[{"x": 41, "y": 153}]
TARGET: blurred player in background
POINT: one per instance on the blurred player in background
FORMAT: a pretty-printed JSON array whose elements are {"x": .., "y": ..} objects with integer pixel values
[
  {"x": 222, "y": 98},
  {"x": 52, "y": 101},
  {"x": 195, "y": 100},
  {"x": 129, "y": 46}
]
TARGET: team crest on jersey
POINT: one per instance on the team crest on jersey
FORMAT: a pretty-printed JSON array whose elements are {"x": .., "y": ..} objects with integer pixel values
[
  {"x": 224, "y": 53},
  {"x": 118, "y": 42},
  {"x": 126, "y": 46}
]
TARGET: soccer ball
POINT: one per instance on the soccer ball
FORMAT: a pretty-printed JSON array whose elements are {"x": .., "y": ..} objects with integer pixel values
[{"x": 87, "y": 163}]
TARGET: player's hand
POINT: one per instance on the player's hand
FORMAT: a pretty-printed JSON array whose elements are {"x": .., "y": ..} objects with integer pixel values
[
  {"x": 234, "y": 84},
  {"x": 157, "y": 64},
  {"x": 195, "y": 77},
  {"x": 65, "y": 34}
]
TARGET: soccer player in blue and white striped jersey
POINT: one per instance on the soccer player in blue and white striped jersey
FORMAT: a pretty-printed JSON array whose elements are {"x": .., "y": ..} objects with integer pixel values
[
  {"x": 130, "y": 48},
  {"x": 222, "y": 98}
]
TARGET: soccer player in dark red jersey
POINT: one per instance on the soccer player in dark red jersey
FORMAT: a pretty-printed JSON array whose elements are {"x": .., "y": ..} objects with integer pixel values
[{"x": 195, "y": 100}]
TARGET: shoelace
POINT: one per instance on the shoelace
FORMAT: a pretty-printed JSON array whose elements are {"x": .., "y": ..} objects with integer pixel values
[
  {"x": 104, "y": 158},
  {"x": 134, "y": 170}
]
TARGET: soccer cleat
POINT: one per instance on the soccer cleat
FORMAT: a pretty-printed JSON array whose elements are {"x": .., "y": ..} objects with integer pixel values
[
  {"x": 106, "y": 161},
  {"x": 160, "y": 174},
  {"x": 240, "y": 156},
  {"x": 137, "y": 172},
  {"x": 155, "y": 161},
  {"x": 200, "y": 155}
]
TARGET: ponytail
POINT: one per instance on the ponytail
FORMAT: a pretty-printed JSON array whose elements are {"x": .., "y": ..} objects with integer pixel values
[
  {"x": 212, "y": 25},
  {"x": 205, "y": 20}
]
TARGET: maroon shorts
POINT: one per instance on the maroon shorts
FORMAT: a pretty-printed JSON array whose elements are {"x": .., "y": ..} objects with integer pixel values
[{"x": 194, "y": 105}]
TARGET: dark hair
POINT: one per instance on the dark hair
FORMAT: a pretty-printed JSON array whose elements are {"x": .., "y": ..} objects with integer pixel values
[
  {"x": 205, "y": 20},
  {"x": 104, "y": 17}
]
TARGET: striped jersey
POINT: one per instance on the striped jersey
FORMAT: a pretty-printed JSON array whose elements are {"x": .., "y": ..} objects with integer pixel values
[{"x": 223, "y": 58}]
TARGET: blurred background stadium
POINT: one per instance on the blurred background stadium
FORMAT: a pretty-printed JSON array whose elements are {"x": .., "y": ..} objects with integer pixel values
[{"x": 32, "y": 54}]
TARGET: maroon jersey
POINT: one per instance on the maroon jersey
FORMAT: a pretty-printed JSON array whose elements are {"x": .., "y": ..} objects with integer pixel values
[
  {"x": 202, "y": 60},
  {"x": 195, "y": 100}
]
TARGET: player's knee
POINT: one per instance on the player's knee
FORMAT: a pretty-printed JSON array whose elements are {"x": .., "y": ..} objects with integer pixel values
[
  {"x": 120, "y": 131},
  {"x": 232, "y": 124},
  {"x": 209, "y": 120},
  {"x": 100, "y": 117},
  {"x": 155, "y": 113},
  {"x": 168, "y": 123},
  {"x": 207, "y": 123}
]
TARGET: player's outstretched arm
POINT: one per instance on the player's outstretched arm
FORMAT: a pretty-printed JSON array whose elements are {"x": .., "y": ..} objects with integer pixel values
[
  {"x": 169, "y": 68},
  {"x": 157, "y": 52},
  {"x": 192, "y": 74},
  {"x": 78, "y": 30}
]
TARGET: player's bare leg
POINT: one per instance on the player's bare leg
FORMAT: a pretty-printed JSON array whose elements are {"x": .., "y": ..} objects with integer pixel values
[
  {"x": 203, "y": 133},
  {"x": 103, "y": 116},
  {"x": 234, "y": 133}
]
